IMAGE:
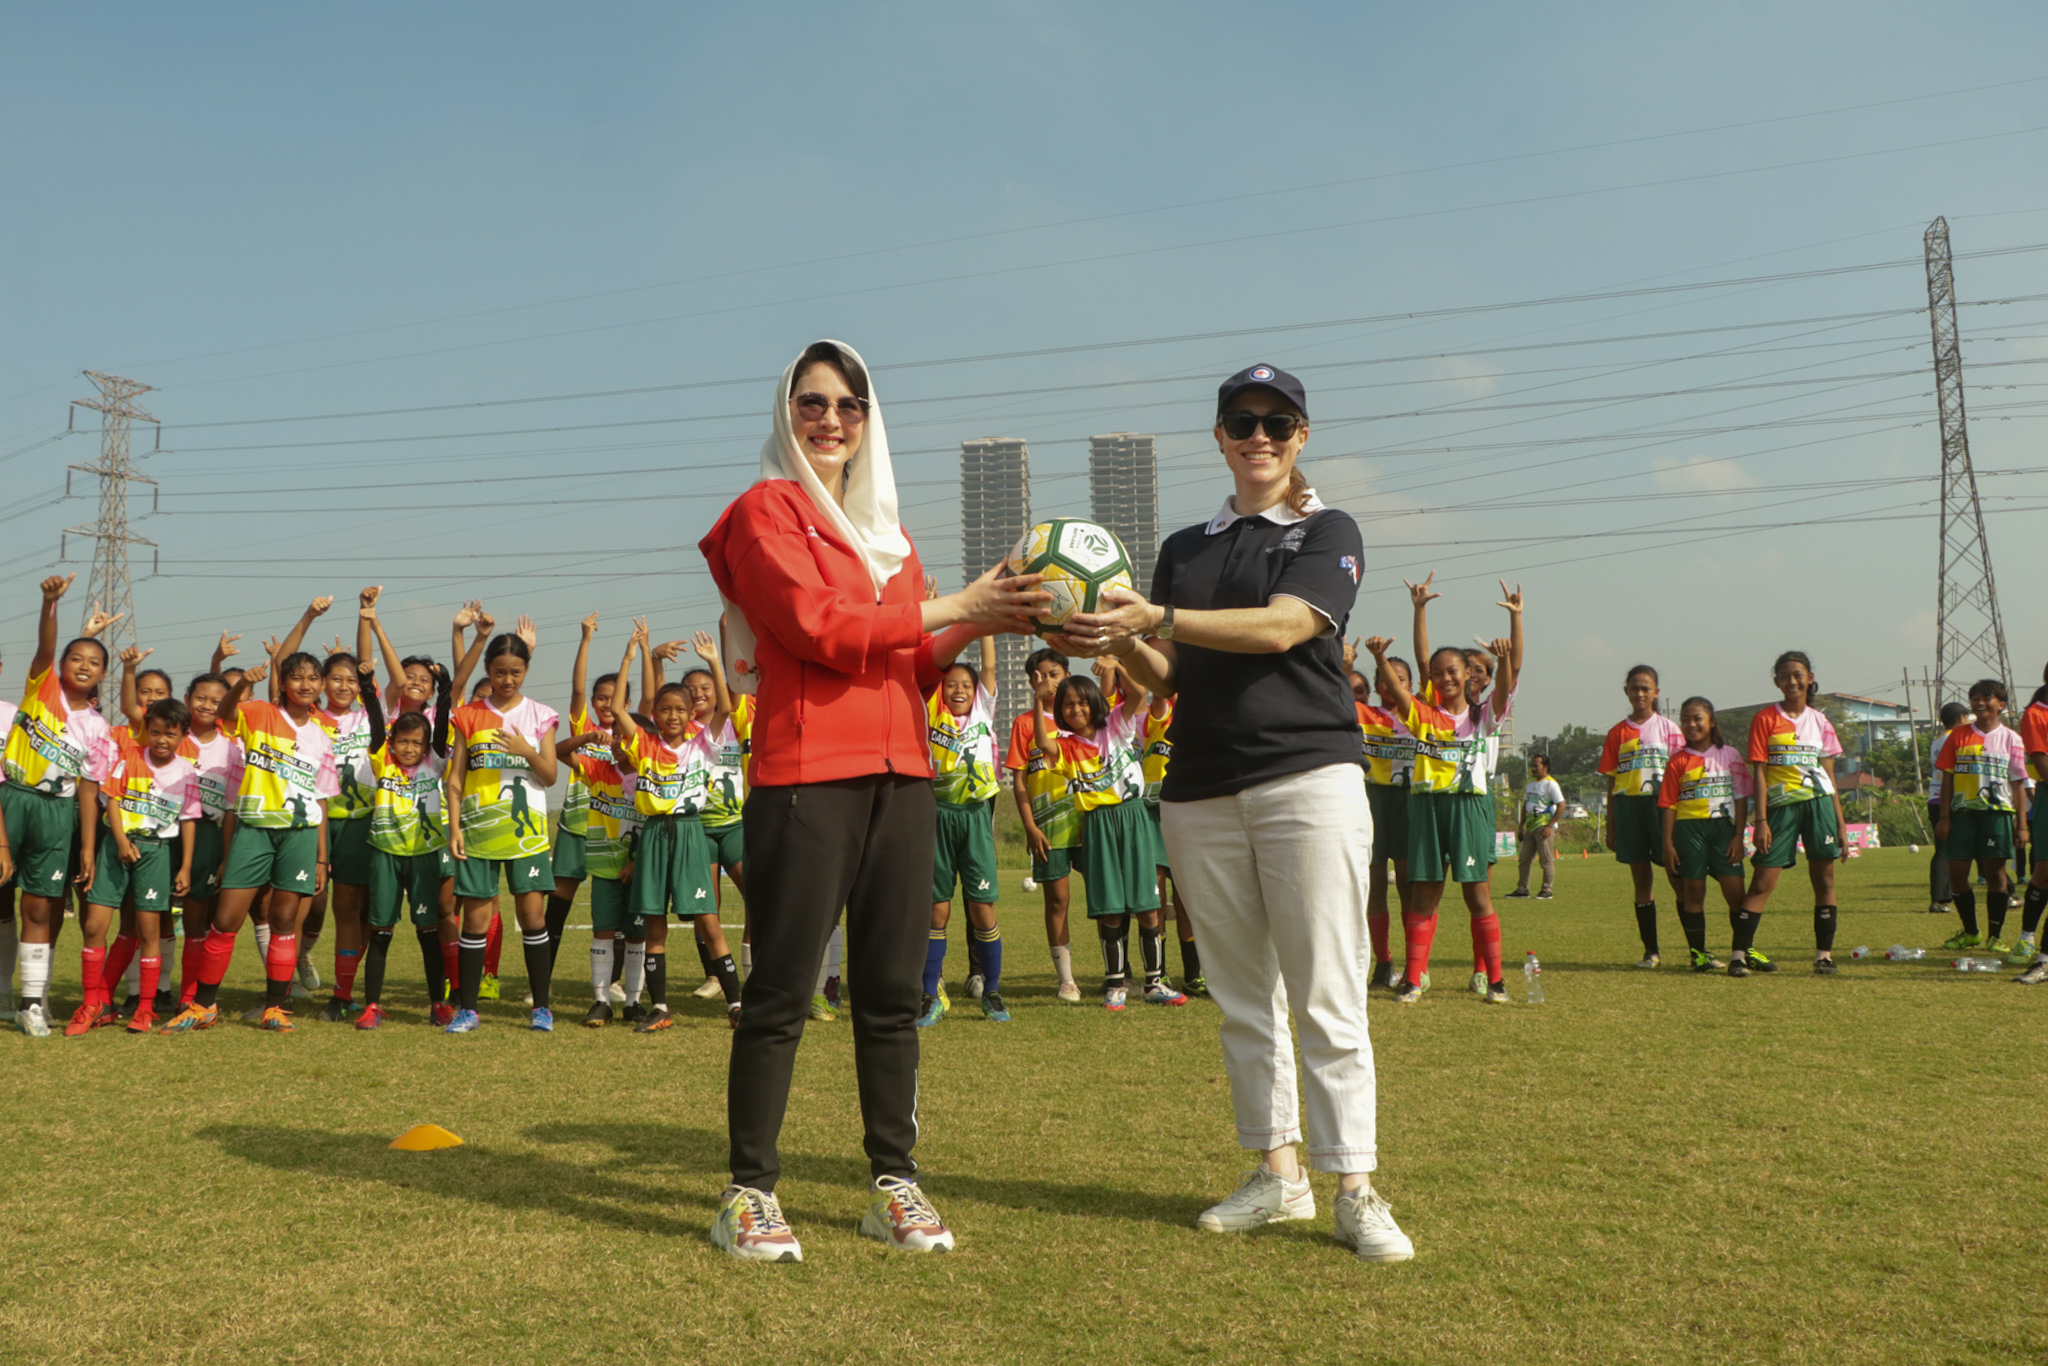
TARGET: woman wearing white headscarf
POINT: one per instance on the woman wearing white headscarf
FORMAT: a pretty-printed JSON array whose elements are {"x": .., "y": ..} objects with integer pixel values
[{"x": 826, "y": 613}]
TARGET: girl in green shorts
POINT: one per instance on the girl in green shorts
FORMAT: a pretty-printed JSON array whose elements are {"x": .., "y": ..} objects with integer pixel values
[
  {"x": 1703, "y": 801},
  {"x": 404, "y": 768},
  {"x": 1792, "y": 749}
]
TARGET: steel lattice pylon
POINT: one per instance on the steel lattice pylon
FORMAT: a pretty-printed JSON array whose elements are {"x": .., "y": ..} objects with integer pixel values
[{"x": 109, "y": 589}]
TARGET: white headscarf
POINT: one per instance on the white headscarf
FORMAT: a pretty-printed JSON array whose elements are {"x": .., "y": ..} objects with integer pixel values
[{"x": 867, "y": 521}]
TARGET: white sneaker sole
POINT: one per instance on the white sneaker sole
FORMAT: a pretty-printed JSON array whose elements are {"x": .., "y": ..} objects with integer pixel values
[
  {"x": 915, "y": 1241},
  {"x": 1208, "y": 1221},
  {"x": 708, "y": 989},
  {"x": 783, "y": 1252},
  {"x": 1402, "y": 1251}
]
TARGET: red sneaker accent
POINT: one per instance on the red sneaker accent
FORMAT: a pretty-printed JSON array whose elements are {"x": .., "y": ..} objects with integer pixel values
[
  {"x": 82, "y": 1021},
  {"x": 143, "y": 1021}
]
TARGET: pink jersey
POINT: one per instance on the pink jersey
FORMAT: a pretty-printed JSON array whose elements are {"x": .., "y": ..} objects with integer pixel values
[{"x": 220, "y": 774}]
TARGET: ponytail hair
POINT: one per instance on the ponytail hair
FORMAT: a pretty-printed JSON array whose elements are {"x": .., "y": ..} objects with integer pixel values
[
  {"x": 1791, "y": 657},
  {"x": 1298, "y": 492},
  {"x": 1713, "y": 723}
]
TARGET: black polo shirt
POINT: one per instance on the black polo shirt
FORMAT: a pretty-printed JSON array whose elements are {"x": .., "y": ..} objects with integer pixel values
[{"x": 1242, "y": 719}]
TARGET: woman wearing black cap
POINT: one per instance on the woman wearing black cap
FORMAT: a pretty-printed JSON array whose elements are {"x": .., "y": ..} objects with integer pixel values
[{"x": 1264, "y": 809}]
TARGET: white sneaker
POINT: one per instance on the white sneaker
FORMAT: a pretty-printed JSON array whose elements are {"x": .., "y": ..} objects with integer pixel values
[
  {"x": 1366, "y": 1223},
  {"x": 31, "y": 1021},
  {"x": 1070, "y": 991},
  {"x": 976, "y": 984},
  {"x": 617, "y": 994},
  {"x": 751, "y": 1228},
  {"x": 707, "y": 989},
  {"x": 1264, "y": 1198},
  {"x": 309, "y": 976},
  {"x": 901, "y": 1216}
]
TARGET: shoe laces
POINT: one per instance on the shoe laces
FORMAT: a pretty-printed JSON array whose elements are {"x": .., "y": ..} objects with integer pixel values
[
  {"x": 1372, "y": 1208},
  {"x": 761, "y": 1212},
  {"x": 908, "y": 1202}
]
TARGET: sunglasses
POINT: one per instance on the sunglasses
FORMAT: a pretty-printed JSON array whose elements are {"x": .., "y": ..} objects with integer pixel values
[
  {"x": 812, "y": 407},
  {"x": 1238, "y": 424}
]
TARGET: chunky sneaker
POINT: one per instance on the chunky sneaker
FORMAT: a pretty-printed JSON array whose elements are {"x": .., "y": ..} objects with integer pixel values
[
  {"x": 707, "y": 989},
  {"x": 821, "y": 1009},
  {"x": 82, "y": 1021},
  {"x": 1651, "y": 960},
  {"x": 750, "y": 1227},
  {"x": 657, "y": 1019},
  {"x": 976, "y": 985},
  {"x": 933, "y": 1011},
  {"x": 1382, "y": 976},
  {"x": 1759, "y": 963},
  {"x": 487, "y": 990},
  {"x": 1366, "y": 1225},
  {"x": 2034, "y": 975},
  {"x": 598, "y": 1016},
  {"x": 1264, "y": 1198},
  {"x": 1497, "y": 994},
  {"x": 372, "y": 1016},
  {"x": 1162, "y": 994},
  {"x": 276, "y": 1021},
  {"x": 2023, "y": 952},
  {"x": 1519, "y": 894},
  {"x": 1478, "y": 985},
  {"x": 1825, "y": 967},
  {"x": 309, "y": 976},
  {"x": 633, "y": 1014},
  {"x": 1702, "y": 961},
  {"x": 1114, "y": 998},
  {"x": 143, "y": 1021},
  {"x": 542, "y": 1021},
  {"x": 901, "y": 1216},
  {"x": 465, "y": 1022},
  {"x": 1738, "y": 967},
  {"x": 992, "y": 1006},
  {"x": 441, "y": 1014},
  {"x": 32, "y": 1020},
  {"x": 194, "y": 1016},
  {"x": 1962, "y": 939},
  {"x": 1070, "y": 992},
  {"x": 336, "y": 1012}
]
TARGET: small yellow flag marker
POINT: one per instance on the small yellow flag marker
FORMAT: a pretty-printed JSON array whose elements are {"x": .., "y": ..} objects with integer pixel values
[{"x": 425, "y": 1138}]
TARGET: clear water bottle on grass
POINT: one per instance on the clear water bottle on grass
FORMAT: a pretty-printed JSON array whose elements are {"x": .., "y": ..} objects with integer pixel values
[{"x": 1532, "y": 974}]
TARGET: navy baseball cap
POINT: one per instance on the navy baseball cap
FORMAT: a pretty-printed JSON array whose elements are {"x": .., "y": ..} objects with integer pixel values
[{"x": 1263, "y": 377}]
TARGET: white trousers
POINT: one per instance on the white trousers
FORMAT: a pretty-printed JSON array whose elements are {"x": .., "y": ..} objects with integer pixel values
[{"x": 1275, "y": 879}]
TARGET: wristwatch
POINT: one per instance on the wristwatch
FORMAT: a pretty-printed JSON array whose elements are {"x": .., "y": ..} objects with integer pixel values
[{"x": 1164, "y": 630}]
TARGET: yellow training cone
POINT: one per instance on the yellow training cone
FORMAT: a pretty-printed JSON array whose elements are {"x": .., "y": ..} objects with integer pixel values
[{"x": 425, "y": 1138}]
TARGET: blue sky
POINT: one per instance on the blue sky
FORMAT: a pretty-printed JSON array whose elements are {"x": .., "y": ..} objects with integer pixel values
[{"x": 273, "y": 213}]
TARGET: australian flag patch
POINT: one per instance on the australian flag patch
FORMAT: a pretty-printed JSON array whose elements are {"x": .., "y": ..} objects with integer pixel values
[{"x": 1349, "y": 564}]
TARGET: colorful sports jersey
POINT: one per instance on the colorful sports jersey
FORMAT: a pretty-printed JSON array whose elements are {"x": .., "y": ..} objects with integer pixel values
[
  {"x": 1451, "y": 754},
  {"x": 670, "y": 781},
  {"x": 964, "y": 748},
  {"x": 730, "y": 751},
  {"x": 1389, "y": 747},
  {"x": 1791, "y": 750},
  {"x": 1052, "y": 805},
  {"x": 50, "y": 746},
  {"x": 7, "y": 713},
  {"x": 287, "y": 769},
  {"x": 1699, "y": 785},
  {"x": 147, "y": 801},
  {"x": 1933, "y": 773},
  {"x": 2033, "y": 739},
  {"x": 1156, "y": 752},
  {"x": 1635, "y": 755},
  {"x": 220, "y": 774},
  {"x": 1542, "y": 798},
  {"x": 504, "y": 811},
  {"x": 613, "y": 832},
  {"x": 576, "y": 802},
  {"x": 1104, "y": 770},
  {"x": 1983, "y": 765},
  {"x": 349, "y": 733},
  {"x": 406, "y": 805}
]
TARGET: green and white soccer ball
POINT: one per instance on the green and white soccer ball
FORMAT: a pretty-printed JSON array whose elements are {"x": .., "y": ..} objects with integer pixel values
[{"x": 1078, "y": 559}]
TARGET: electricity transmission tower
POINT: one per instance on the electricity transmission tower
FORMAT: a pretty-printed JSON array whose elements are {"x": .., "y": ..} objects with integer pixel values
[
  {"x": 109, "y": 588},
  {"x": 1969, "y": 635}
]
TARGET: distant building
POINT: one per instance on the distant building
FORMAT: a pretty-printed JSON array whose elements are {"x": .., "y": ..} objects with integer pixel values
[
  {"x": 995, "y": 512},
  {"x": 1123, "y": 491}
]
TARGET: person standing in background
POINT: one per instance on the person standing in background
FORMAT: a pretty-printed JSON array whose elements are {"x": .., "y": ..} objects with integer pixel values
[{"x": 1542, "y": 808}]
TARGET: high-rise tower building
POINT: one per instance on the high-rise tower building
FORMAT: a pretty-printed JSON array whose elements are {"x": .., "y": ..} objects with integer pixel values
[
  {"x": 995, "y": 511},
  {"x": 1123, "y": 488}
]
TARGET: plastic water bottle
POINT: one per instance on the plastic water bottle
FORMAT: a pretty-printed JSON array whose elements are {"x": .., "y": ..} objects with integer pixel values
[
  {"x": 1532, "y": 974},
  {"x": 1860, "y": 951},
  {"x": 1963, "y": 964},
  {"x": 1986, "y": 964}
]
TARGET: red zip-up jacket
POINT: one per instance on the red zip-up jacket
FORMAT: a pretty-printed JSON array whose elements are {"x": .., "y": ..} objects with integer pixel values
[{"x": 843, "y": 677}]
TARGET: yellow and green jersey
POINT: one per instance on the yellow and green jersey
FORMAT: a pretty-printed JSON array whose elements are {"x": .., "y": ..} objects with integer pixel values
[
  {"x": 287, "y": 768},
  {"x": 669, "y": 780},
  {"x": 406, "y": 815},
  {"x": 730, "y": 750},
  {"x": 613, "y": 834},
  {"x": 1156, "y": 752},
  {"x": 576, "y": 801},
  {"x": 1792, "y": 750},
  {"x": 963, "y": 749},
  {"x": 1045, "y": 787},
  {"x": 50, "y": 746},
  {"x": 504, "y": 810},
  {"x": 349, "y": 734}
]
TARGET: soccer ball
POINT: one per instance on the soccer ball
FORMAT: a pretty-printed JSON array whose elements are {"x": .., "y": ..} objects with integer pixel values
[{"x": 1078, "y": 559}]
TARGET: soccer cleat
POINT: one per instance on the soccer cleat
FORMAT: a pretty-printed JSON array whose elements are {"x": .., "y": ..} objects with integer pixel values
[
  {"x": 1070, "y": 992},
  {"x": 194, "y": 1016},
  {"x": 657, "y": 1020},
  {"x": 1702, "y": 961},
  {"x": 372, "y": 1016},
  {"x": 821, "y": 1009},
  {"x": 931, "y": 1012},
  {"x": 1650, "y": 960},
  {"x": 143, "y": 1021},
  {"x": 1198, "y": 986},
  {"x": 1382, "y": 976},
  {"x": 1265, "y": 1197},
  {"x": 1940, "y": 908},
  {"x": 900, "y": 1215},
  {"x": 441, "y": 1014},
  {"x": 309, "y": 976},
  {"x": 276, "y": 1021},
  {"x": 1497, "y": 994},
  {"x": 487, "y": 990},
  {"x": 598, "y": 1016},
  {"x": 1366, "y": 1225},
  {"x": 336, "y": 1011},
  {"x": 1477, "y": 983},
  {"x": 1759, "y": 963},
  {"x": 2034, "y": 975},
  {"x": 732, "y": 1015},
  {"x": 1825, "y": 967},
  {"x": 1161, "y": 993},
  {"x": 751, "y": 1228},
  {"x": 127, "y": 1008},
  {"x": 1993, "y": 944},
  {"x": 1114, "y": 998},
  {"x": 541, "y": 1021},
  {"x": 83, "y": 1021},
  {"x": 1738, "y": 967},
  {"x": 2023, "y": 952},
  {"x": 976, "y": 985},
  {"x": 166, "y": 1003},
  {"x": 32, "y": 1020},
  {"x": 993, "y": 1008},
  {"x": 1962, "y": 939},
  {"x": 633, "y": 1014},
  {"x": 465, "y": 1022},
  {"x": 1407, "y": 993},
  {"x": 707, "y": 989},
  {"x": 1519, "y": 894}
]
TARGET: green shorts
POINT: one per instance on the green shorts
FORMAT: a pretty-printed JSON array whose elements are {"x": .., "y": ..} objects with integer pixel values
[
  {"x": 1974, "y": 835},
  {"x": 1058, "y": 863},
  {"x": 1389, "y": 807},
  {"x": 42, "y": 832},
  {"x": 1117, "y": 863},
  {"x": 728, "y": 845},
  {"x": 1810, "y": 824},
  {"x": 966, "y": 853},
  {"x": 405, "y": 881},
  {"x": 674, "y": 869},
  {"x": 478, "y": 877},
  {"x": 209, "y": 851},
  {"x": 1638, "y": 830},
  {"x": 147, "y": 880},
  {"x": 348, "y": 849},
  {"x": 567, "y": 856},
  {"x": 611, "y": 905},
  {"x": 265, "y": 857},
  {"x": 1703, "y": 847},
  {"x": 1453, "y": 829},
  {"x": 1159, "y": 856}
]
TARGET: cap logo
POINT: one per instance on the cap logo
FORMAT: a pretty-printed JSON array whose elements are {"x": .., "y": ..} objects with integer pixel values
[{"x": 1262, "y": 372}]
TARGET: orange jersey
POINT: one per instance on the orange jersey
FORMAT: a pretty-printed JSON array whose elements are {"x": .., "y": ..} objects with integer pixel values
[
  {"x": 1700, "y": 785},
  {"x": 1791, "y": 750},
  {"x": 1983, "y": 767},
  {"x": 2034, "y": 739},
  {"x": 1635, "y": 755}
]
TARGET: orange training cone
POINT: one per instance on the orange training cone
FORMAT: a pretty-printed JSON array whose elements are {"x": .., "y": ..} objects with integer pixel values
[{"x": 425, "y": 1138}]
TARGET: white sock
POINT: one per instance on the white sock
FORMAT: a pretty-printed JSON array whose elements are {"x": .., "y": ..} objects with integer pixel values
[
  {"x": 9, "y": 948},
  {"x": 131, "y": 979},
  {"x": 601, "y": 968},
  {"x": 636, "y": 970},
  {"x": 262, "y": 942},
  {"x": 35, "y": 971},
  {"x": 1063, "y": 962},
  {"x": 834, "y": 950},
  {"x": 746, "y": 959}
]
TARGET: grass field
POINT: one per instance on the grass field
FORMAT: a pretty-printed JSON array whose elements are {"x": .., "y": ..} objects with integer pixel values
[{"x": 1650, "y": 1167}]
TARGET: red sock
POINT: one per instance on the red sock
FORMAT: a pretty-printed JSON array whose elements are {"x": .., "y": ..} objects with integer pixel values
[
  {"x": 189, "y": 967},
  {"x": 1420, "y": 932},
  {"x": 494, "y": 941},
  {"x": 120, "y": 954},
  {"x": 219, "y": 952},
  {"x": 92, "y": 967},
  {"x": 152, "y": 973},
  {"x": 283, "y": 959},
  {"x": 1376, "y": 923},
  {"x": 451, "y": 965},
  {"x": 345, "y": 961},
  {"x": 1486, "y": 945}
]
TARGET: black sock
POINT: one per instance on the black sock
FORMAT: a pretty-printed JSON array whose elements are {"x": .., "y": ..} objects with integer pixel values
[
  {"x": 373, "y": 967},
  {"x": 1190, "y": 961},
  {"x": 558, "y": 920},
  {"x": 619, "y": 958},
  {"x": 1744, "y": 923},
  {"x": 277, "y": 991},
  {"x": 1152, "y": 947},
  {"x": 430, "y": 958},
  {"x": 704, "y": 956},
  {"x": 657, "y": 979},
  {"x": 1966, "y": 905},
  {"x": 1995, "y": 906},
  {"x": 1646, "y": 924},
  {"x": 728, "y": 974},
  {"x": 206, "y": 995},
  {"x": 2030, "y": 910},
  {"x": 1824, "y": 929},
  {"x": 469, "y": 968},
  {"x": 1114, "y": 931},
  {"x": 974, "y": 963},
  {"x": 1695, "y": 926},
  {"x": 540, "y": 964}
]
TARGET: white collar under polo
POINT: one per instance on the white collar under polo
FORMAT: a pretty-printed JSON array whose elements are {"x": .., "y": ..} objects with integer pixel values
[{"x": 1280, "y": 514}]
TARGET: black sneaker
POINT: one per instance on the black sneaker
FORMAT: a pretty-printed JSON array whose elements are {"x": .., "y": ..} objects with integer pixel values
[
  {"x": 599, "y": 1015},
  {"x": 1543, "y": 895},
  {"x": 336, "y": 1011},
  {"x": 1759, "y": 963},
  {"x": 1738, "y": 967},
  {"x": 1702, "y": 962},
  {"x": 1382, "y": 976},
  {"x": 1519, "y": 894},
  {"x": 1825, "y": 967},
  {"x": 634, "y": 1013},
  {"x": 127, "y": 1011},
  {"x": 165, "y": 1005}
]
